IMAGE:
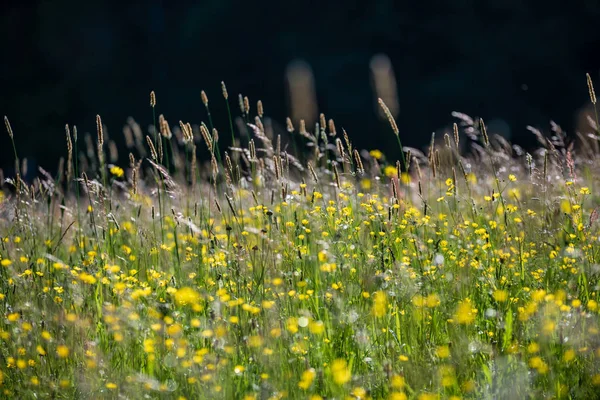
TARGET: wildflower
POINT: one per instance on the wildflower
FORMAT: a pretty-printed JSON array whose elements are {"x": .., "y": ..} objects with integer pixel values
[
  {"x": 533, "y": 348},
  {"x": 390, "y": 171},
  {"x": 569, "y": 355},
  {"x": 443, "y": 352},
  {"x": 292, "y": 325},
  {"x": 376, "y": 154},
  {"x": 13, "y": 317},
  {"x": 239, "y": 369},
  {"x": 316, "y": 327},
  {"x": 62, "y": 351},
  {"x": 186, "y": 295},
  {"x": 117, "y": 171},
  {"x": 5, "y": 262},
  {"x": 379, "y": 304},
  {"x": 465, "y": 313},
  {"x": 432, "y": 300},
  {"x": 500, "y": 295},
  {"x": 307, "y": 378},
  {"x": 340, "y": 371}
]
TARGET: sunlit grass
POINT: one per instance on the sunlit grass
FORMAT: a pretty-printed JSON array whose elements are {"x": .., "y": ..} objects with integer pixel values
[{"x": 331, "y": 274}]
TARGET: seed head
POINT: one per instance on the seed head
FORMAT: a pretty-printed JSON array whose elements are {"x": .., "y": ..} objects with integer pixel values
[
  {"x": 289, "y": 125},
  {"x": 152, "y": 149},
  {"x": 486, "y": 139},
  {"x": 246, "y": 105},
  {"x": 591, "y": 89},
  {"x": 259, "y": 108},
  {"x": 152, "y": 99},
  {"x": 332, "y": 131},
  {"x": 100, "y": 131},
  {"x": 69, "y": 143},
  {"x": 224, "y": 88},
  {"x": 8, "y": 127},
  {"x": 389, "y": 116},
  {"x": 456, "y": 136}
]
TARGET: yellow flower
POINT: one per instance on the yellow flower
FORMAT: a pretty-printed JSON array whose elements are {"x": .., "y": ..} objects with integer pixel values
[
  {"x": 111, "y": 386},
  {"x": 398, "y": 382},
  {"x": 512, "y": 178},
  {"x": 62, "y": 351},
  {"x": 565, "y": 206},
  {"x": 443, "y": 352},
  {"x": 292, "y": 325},
  {"x": 340, "y": 371},
  {"x": 465, "y": 313},
  {"x": 186, "y": 295},
  {"x": 5, "y": 262},
  {"x": 365, "y": 184},
  {"x": 397, "y": 396},
  {"x": 376, "y": 154},
  {"x": 379, "y": 304},
  {"x": 307, "y": 378},
  {"x": 239, "y": 369},
  {"x": 390, "y": 171},
  {"x": 316, "y": 327},
  {"x": 116, "y": 171},
  {"x": 533, "y": 348},
  {"x": 500, "y": 295},
  {"x": 13, "y": 317},
  {"x": 405, "y": 178},
  {"x": 433, "y": 300},
  {"x": 569, "y": 355}
]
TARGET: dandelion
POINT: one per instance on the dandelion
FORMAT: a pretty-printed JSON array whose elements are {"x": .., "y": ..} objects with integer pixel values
[
  {"x": 465, "y": 313},
  {"x": 307, "y": 379},
  {"x": 500, "y": 295},
  {"x": 186, "y": 296},
  {"x": 376, "y": 154},
  {"x": 379, "y": 304},
  {"x": 62, "y": 351},
  {"x": 117, "y": 171},
  {"x": 340, "y": 371},
  {"x": 443, "y": 352}
]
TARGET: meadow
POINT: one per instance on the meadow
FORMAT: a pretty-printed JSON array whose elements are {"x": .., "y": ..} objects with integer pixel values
[{"x": 301, "y": 267}]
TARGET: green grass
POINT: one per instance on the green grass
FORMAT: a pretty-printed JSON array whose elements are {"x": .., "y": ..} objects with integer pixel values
[{"x": 256, "y": 277}]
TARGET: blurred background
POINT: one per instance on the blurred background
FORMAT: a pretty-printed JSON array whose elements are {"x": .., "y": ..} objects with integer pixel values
[{"x": 514, "y": 63}]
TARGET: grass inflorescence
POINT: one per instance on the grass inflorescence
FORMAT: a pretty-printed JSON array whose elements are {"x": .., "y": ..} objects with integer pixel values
[{"x": 326, "y": 273}]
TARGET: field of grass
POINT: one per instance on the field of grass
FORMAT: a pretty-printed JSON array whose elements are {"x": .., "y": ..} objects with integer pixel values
[{"x": 470, "y": 271}]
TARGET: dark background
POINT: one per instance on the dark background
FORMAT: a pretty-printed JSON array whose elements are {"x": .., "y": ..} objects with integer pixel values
[{"x": 511, "y": 62}]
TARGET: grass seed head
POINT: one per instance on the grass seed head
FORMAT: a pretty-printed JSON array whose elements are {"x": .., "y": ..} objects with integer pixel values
[
  {"x": 591, "y": 89},
  {"x": 8, "y": 127},
  {"x": 259, "y": 108},
  {"x": 153, "y": 153},
  {"x": 224, "y": 89},
  {"x": 152, "y": 99},
  {"x": 389, "y": 116}
]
